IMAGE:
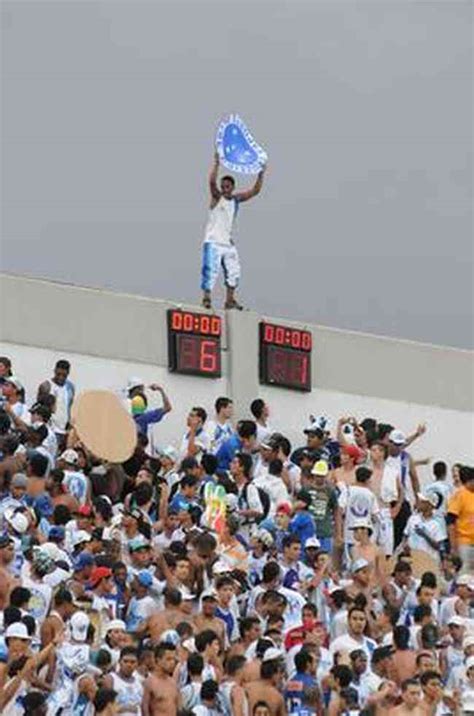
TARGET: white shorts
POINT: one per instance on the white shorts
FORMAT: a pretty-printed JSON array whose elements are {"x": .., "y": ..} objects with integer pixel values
[{"x": 215, "y": 256}]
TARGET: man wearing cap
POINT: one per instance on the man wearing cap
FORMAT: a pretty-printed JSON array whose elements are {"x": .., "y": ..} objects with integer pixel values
[
  {"x": 452, "y": 655},
  {"x": 401, "y": 461},
  {"x": 41, "y": 592},
  {"x": 14, "y": 406},
  {"x": 423, "y": 531},
  {"x": 74, "y": 479},
  {"x": 324, "y": 507},
  {"x": 73, "y": 659},
  {"x": 460, "y": 602},
  {"x": 104, "y": 603},
  {"x": 141, "y": 606},
  {"x": 268, "y": 687}
]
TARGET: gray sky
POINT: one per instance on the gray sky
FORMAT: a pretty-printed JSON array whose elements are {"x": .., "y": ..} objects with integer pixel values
[{"x": 365, "y": 109}]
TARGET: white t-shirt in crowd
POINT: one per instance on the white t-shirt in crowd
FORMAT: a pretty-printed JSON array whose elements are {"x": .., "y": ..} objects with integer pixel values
[{"x": 430, "y": 526}]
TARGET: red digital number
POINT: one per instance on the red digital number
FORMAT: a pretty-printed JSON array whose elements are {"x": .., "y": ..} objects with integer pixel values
[
  {"x": 299, "y": 369},
  {"x": 188, "y": 322},
  {"x": 279, "y": 335},
  {"x": 176, "y": 321},
  {"x": 205, "y": 324},
  {"x": 306, "y": 341},
  {"x": 268, "y": 333},
  {"x": 296, "y": 339},
  {"x": 188, "y": 353},
  {"x": 208, "y": 357},
  {"x": 215, "y": 326}
]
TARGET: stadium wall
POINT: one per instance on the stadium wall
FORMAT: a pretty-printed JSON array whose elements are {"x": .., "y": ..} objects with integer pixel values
[{"x": 110, "y": 336}]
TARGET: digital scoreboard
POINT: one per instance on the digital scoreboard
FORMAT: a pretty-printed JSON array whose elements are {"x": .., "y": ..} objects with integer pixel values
[
  {"x": 194, "y": 343},
  {"x": 285, "y": 356}
]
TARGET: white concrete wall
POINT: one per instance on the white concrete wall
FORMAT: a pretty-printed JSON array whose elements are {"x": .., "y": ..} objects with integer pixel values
[{"x": 450, "y": 432}]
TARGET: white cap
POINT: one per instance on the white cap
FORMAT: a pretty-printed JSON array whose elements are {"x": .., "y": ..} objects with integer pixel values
[
  {"x": 116, "y": 624},
  {"x": 221, "y": 567},
  {"x": 312, "y": 542},
  {"x": 170, "y": 452},
  {"x": 359, "y": 564},
  {"x": 79, "y": 624},
  {"x": 361, "y": 523},
  {"x": 135, "y": 382},
  {"x": 209, "y": 593},
  {"x": 465, "y": 580},
  {"x": 189, "y": 644},
  {"x": 265, "y": 537},
  {"x": 53, "y": 551},
  {"x": 80, "y": 537},
  {"x": 14, "y": 380},
  {"x": 18, "y": 630},
  {"x": 273, "y": 653},
  {"x": 469, "y": 663},
  {"x": 186, "y": 595},
  {"x": 423, "y": 497},
  {"x": 456, "y": 620},
  {"x": 323, "y": 422},
  {"x": 397, "y": 437},
  {"x": 70, "y": 456},
  {"x": 17, "y": 520},
  {"x": 170, "y": 636}
]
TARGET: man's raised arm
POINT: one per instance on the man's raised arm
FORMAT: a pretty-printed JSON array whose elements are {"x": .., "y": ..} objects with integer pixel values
[
  {"x": 215, "y": 193},
  {"x": 246, "y": 195}
]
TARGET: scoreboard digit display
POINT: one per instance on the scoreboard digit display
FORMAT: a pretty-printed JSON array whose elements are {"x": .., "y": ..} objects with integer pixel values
[
  {"x": 285, "y": 356},
  {"x": 194, "y": 343}
]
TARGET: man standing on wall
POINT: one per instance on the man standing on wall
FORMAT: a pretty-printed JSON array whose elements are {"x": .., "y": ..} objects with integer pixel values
[
  {"x": 63, "y": 390},
  {"x": 218, "y": 249}
]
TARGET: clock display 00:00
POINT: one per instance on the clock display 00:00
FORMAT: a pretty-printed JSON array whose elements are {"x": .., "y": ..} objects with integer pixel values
[
  {"x": 285, "y": 356},
  {"x": 194, "y": 343}
]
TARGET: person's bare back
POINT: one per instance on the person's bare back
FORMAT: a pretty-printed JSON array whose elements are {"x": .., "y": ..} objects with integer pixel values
[
  {"x": 404, "y": 665},
  {"x": 262, "y": 690}
]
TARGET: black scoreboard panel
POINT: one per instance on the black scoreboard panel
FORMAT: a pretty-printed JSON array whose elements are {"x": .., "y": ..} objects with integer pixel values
[
  {"x": 194, "y": 343},
  {"x": 285, "y": 356}
]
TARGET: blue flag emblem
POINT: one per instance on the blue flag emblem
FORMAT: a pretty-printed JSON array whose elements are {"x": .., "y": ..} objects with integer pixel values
[{"x": 237, "y": 149}]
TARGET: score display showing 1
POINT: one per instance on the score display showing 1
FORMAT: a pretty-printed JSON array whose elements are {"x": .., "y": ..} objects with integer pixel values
[
  {"x": 194, "y": 343},
  {"x": 285, "y": 356}
]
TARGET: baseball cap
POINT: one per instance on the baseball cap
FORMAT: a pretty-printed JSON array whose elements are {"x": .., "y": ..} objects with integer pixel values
[
  {"x": 42, "y": 561},
  {"x": 353, "y": 451},
  {"x": 273, "y": 653},
  {"x": 170, "y": 452},
  {"x": 209, "y": 594},
  {"x": 19, "y": 480},
  {"x": 17, "y": 630},
  {"x": 265, "y": 537},
  {"x": 18, "y": 521},
  {"x": 84, "y": 560},
  {"x": 312, "y": 542},
  {"x": 70, "y": 456},
  {"x": 397, "y": 437},
  {"x": 322, "y": 422},
  {"x": 97, "y": 574},
  {"x": 79, "y": 624},
  {"x": 170, "y": 636},
  {"x": 313, "y": 429},
  {"x": 144, "y": 578},
  {"x": 221, "y": 567},
  {"x": 138, "y": 542},
  {"x": 320, "y": 468},
  {"x": 57, "y": 532},
  {"x": 465, "y": 580},
  {"x": 80, "y": 537},
  {"x": 456, "y": 620},
  {"x": 358, "y": 565},
  {"x": 85, "y": 511},
  {"x": 361, "y": 523},
  {"x": 427, "y": 498},
  {"x": 135, "y": 382},
  {"x": 15, "y": 381},
  {"x": 284, "y": 507},
  {"x": 116, "y": 624}
]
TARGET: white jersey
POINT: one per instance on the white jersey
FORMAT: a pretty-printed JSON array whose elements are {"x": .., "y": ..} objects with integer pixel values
[
  {"x": 221, "y": 222},
  {"x": 129, "y": 694}
]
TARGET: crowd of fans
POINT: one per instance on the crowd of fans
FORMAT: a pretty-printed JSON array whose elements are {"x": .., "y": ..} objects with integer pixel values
[{"x": 230, "y": 572}]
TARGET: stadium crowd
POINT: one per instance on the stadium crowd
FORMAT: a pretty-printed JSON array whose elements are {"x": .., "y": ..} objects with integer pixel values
[{"x": 230, "y": 572}]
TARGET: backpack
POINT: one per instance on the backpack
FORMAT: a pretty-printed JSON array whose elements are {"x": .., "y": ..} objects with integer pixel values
[{"x": 264, "y": 499}]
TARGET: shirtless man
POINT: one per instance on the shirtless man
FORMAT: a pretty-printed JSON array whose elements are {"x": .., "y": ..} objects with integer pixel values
[
  {"x": 411, "y": 700},
  {"x": 269, "y": 686},
  {"x": 169, "y": 618},
  {"x": 232, "y": 688},
  {"x": 206, "y": 619},
  {"x": 161, "y": 695},
  {"x": 7, "y": 581}
]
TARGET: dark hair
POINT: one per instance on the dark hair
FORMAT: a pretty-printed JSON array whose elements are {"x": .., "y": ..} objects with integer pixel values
[
  {"x": 172, "y": 596},
  {"x": 209, "y": 463},
  {"x": 10, "y": 444},
  {"x": 38, "y": 464},
  {"x": 63, "y": 364},
  {"x": 224, "y": 581},
  {"x": 270, "y": 571},
  {"x": 188, "y": 464},
  {"x": 303, "y": 659},
  {"x": 61, "y": 515},
  {"x": 268, "y": 669},
  {"x": 356, "y": 608},
  {"x": 209, "y": 690},
  {"x": 429, "y": 636},
  {"x": 7, "y": 363},
  {"x": 128, "y": 651},
  {"x": 30, "y": 624},
  {"x": 143, "y": 493},
  {"x": 440, "y": 470},
  {"x": 428, "y": 676},
  {"x": 275, "y": 467},
  {"x": 363, "y": 474},
  {"x": 339, "y": 597},
  {"x": 420, "y": 612},
  {"x": 246, "y": 625},
  {"x": 409, "y": 682},
  {"x": 103, "y": 658},
  {"x": 103, "y": 698},
  {"x": 420, "y": 656},
  {"x": 62, "y": 596},
  {"x": 18, "y": 596},
  {"x": 289, "y": 540},
  {"x": 227, "y": 177},
  {"x": 32, "y": 701},
  {"x": 103, "y": 508},
  {"x": 11, "y": 615},
  {"x": 384, "y": 430},
  {"x": 235, "y": 663},
  {"x": 222, "y": 403},
  {"x": 195, "y": 664},
  {"x": 401, "y": 637},
  {"x": 188, "y": 481},
  {"x": 260, "y": 705},
  {"x": 245, "y": 462},
  {"x": 466, "y": 474},
  {"x": 184, "y": 630},
  {"x": 246, "y": 429},
  {"x": 204, "y": 639},
  {"x": 262, "y": 645},
  {"x": 200, "y": 412},
  {"x": 393, "y": 613},
  {"x": 342, "y": 674},
  {"x": 402, "y": 566},
  {"x": 162, "y": 648},
  {"x": 285, "y": 445},
  {"x": 256, "y": 408}
]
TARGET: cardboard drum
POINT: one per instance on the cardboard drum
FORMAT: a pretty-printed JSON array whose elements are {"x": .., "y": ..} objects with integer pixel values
[{"x": 104, "y": 426}]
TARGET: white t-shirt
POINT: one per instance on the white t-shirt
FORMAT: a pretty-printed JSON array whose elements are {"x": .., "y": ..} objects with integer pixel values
[
  {"x": 40, "y": 600},
  {"x": 348, "y": 644},
  {"x": 358, "y": 503},
  {"x": 139, "y": 610},
  {"x": 431, "y": 526},
  {"x": 275, "y": 488},
  {"x": 220, "y": 222},
  {"x": 218, "y": 433},
  {"x": 129, "y": 694},
  {"x": 201, "y": 441}
]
